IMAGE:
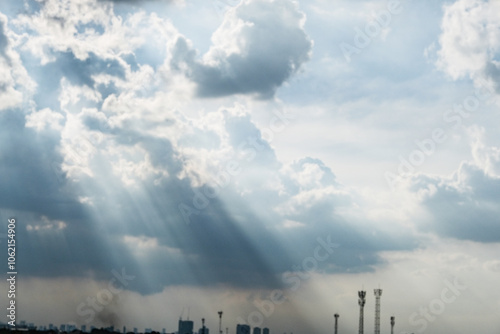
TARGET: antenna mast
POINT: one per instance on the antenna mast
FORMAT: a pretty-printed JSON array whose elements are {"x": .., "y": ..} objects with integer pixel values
[
  {"x": 378, "y": 293},
  {"x": 361, "y": 302},
  {"x": 220, "y": 322}
]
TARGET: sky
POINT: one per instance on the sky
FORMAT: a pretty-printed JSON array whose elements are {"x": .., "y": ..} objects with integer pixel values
[{"x": 266, "y": 158}]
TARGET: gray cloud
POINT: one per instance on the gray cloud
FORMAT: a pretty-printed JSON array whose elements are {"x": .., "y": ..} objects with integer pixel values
[
  {"x": 4, "y": 42},
  {"x": 464, "y": 206},
  {"x": 492, "y": 71},
  {"x": 34, "y": 190},
  {"x": 216, "y": 248},
  {"x": 359, "y": 243},
  {"x": 29, "y": 182},
  {"x": 272, "y": 45},
  {"x": 92, "y": 240},
  {"x": 79, "y": 72},
  {"x": 237, "y": 240}
]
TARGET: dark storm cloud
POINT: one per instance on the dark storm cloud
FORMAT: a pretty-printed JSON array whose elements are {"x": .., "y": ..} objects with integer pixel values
[
  {"x": 213, "y": 250},
  {"x": 465, "y": 207},
  {"x": 34, "y": 189},
  {"x": 29, "y": 169},
  {"x": 273, "y": 46}
]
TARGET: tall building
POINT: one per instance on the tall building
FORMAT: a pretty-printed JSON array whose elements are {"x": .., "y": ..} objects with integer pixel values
[
  {"x": 256, "y": 330},
  {"x": 185, "y": 327},
  {"x": 242, "y": 329}
]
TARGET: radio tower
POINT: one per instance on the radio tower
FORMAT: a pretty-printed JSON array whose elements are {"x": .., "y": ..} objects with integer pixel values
[
  {"x": 220, "y": 322},
  {"x": 392, "y": 325},
  {"x": 361, "y": 302},
  {"x": 336, "y": 315},
  {"x": 378, "y": 293}
]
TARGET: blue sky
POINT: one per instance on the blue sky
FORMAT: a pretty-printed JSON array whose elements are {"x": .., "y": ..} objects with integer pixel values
[{"x": 268, "y": 158}]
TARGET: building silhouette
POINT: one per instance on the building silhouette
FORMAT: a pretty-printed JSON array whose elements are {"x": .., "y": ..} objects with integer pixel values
[
  {"x": 242, "y": 329},
  {"x": 203, "y": 331},
  {"x": 185, "y": 327}
]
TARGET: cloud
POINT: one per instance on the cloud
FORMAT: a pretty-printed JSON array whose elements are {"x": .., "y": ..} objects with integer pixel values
[
  {"x": 80, "y": 72},
  {"x": 470, "y": 40},
  {"x": 3, "y": 37},
  {"x": 228, "y": 242},
  {"x": 110, "y": 151},
  {"x": 55, "y": 28},
  {"x": 44, "y": 119},
  {"x": 142, "y": 1},
  {"x": 14, "y": 79},
  {"x": 465, "y": 205},
  {"x": 258, "y": 47}
]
